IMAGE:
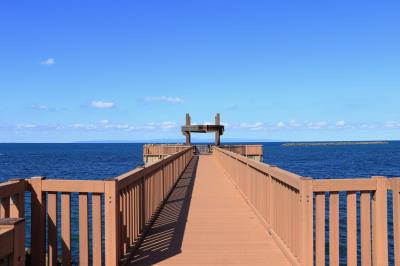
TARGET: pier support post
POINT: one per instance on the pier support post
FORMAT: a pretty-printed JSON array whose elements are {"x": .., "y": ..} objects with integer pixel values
[{"x": 379, "y": 222}]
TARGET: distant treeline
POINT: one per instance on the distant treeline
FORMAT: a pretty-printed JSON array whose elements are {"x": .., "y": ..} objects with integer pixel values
[{"x": 335, "y": 143}]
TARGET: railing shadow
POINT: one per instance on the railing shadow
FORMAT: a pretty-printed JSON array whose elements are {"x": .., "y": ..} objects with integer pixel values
[{"x": 164, "y": 238}]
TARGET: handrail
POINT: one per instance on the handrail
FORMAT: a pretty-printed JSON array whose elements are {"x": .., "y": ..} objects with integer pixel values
[
  {"x": 287, "y": 205},
  {"x": 278, "y": 173},
  {"x": 142, "y": 193},
  {"x": 130, "y": 202}
]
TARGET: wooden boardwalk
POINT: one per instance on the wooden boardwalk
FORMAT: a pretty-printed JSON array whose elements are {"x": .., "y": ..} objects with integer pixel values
[{"x": 207, "y": 222}]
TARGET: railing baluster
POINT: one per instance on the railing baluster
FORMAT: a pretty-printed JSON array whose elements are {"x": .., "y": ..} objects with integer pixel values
[
  {"x": 83, "y": 229},
  {"x": 52, "y": 227},
  {"x": 351, "y": 228},
  {"x": 334, "y": 228},
  {"x": 96, "y": 229},
  {"x": 66, "y": 228},
  {"x": 396, "y": 219},
  {"x": 365, "y": 209},
  {"x": 320, "y": 228},
  {"x": 379, "y": 223}
]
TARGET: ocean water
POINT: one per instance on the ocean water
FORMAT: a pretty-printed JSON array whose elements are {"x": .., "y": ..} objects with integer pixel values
[{"x": 100, "y": 161}]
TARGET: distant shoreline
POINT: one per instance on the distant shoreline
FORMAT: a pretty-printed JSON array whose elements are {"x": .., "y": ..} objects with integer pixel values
[{"x": 336, "y": 143}]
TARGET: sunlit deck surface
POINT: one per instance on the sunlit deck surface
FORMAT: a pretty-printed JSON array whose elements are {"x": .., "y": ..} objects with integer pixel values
[{"x": 206, "y": 221}]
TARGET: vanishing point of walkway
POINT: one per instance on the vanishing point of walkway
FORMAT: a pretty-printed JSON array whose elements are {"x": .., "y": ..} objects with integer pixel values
[{"x": 206, "y": 221}]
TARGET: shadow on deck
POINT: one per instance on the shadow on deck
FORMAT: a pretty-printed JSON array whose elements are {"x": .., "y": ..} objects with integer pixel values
[{"x": 164, "y": 239}]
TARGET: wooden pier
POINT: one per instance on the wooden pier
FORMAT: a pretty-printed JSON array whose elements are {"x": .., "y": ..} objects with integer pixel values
[{"x": 207, "y": 209}]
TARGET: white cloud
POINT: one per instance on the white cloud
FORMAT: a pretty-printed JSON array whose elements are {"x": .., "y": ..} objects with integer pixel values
[
  {"x": 48, "y": 62},
  {"x": 317, "y": 125},
  {"x": 29, "y": 126},
  {"x": 392, "y": 124},
  {"x": 251, "y": 126},
  {"x": 39, "y": 107},
  {"x": 280, "y": 124},
  {"x": 295, "y": 124},
  {"x": 168, "y": 125},
  {"x": 340, "y": 123},
  {"x": 102, "y": 105},
  {"x": 167, "y": 99}
]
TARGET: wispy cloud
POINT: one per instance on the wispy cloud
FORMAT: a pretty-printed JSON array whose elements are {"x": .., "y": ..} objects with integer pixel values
[
  {"x": 107, "y": 125},
  {"x": 48, "y": 62},
  {"x": 251, "y": 126},
  {"x": 39, "y": 107},
  {"x": 392, "y": 124},
  {"x": 167, "y": 99},
  {"x": 340, "y": 124},
  {"x": 280, "y": 124},
  {"x": 102, "y": 104}
]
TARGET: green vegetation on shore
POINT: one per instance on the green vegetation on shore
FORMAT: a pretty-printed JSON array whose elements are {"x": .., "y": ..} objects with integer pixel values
[{"x": 334, "y": 143}]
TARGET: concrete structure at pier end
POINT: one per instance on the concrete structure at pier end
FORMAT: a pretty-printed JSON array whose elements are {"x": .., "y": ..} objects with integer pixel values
[{"x": 217, "y": 128}]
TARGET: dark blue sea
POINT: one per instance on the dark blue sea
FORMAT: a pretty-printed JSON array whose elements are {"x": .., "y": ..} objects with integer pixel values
[{"x": 100, "y": 161}]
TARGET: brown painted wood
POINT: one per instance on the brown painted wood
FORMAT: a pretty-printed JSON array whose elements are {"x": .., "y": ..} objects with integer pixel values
[
  {"x": 83, "y": 229},
  {"x": 353, "y": 184},
  {"x": 5, "y": 207},
  {"x": 379, "y": 223},
  {"x": 396, "y": 220},
  {"x": 334, "y": 228},
  {"x": 111, "y": 222},
  {"x": 96, "y": 229},
  {"x": 52, "y": 227},
  {"x": 38, "y": 203},
  {"x": 233, "y": 236},
  {"x": 320, "y": 229},
  {"x": 66, "y": 228},
  {"x": 351, "y": 228},
  {"x": 83, "y": 186},
  {"x": 365, "y": 209}
]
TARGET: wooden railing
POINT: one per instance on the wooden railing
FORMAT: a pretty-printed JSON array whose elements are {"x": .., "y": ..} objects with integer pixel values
[
  {"x": 162, "y": 149},
  {"x": 288, "y": 204},
  {"x": 254, "y": 149},
  {"x": 141, "y": 194},
  {"x": 12, "y": 222},
  {"x": 130, "y": 201}
]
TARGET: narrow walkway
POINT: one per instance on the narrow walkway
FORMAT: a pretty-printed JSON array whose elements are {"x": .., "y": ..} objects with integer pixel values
[{"x": 219, "y": 228}]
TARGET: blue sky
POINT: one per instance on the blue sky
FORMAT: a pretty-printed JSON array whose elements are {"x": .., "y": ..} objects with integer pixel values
[{"x": 286, "y": 70}]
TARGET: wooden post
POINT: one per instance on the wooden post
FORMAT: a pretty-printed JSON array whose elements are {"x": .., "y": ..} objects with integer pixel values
[
  {"x": 379, "y": 223},
  {"x": 306, "y": 220},
  {"x": 38, "y": 209},
  {"x": 187, "y": 133},
  {"x": 217, "y": 133},
  {"x": 16, "y": 240},
  {"x": 111, "y": 222}
]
